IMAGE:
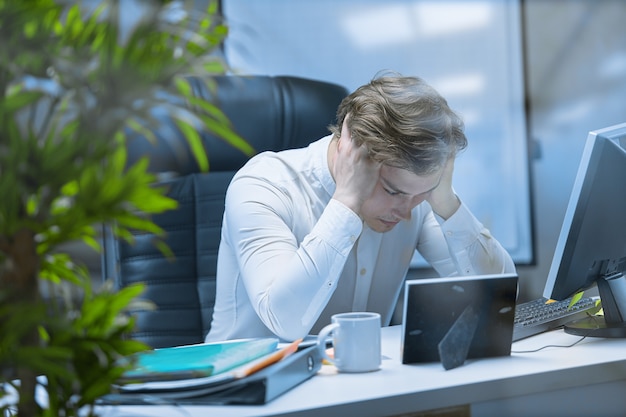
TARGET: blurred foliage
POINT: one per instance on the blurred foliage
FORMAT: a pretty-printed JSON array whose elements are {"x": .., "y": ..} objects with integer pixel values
[{"x": 75, "y": 79}]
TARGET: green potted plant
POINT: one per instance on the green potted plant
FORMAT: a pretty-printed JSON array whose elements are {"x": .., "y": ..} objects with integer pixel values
[{"x": 73, "y": 82}]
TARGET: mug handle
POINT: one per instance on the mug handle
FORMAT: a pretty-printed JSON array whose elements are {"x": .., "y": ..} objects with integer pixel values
[{"x": 321, "y": 341}]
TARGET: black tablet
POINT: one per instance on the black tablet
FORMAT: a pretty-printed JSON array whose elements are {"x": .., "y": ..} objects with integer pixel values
[{"x": 458, "y": 318}]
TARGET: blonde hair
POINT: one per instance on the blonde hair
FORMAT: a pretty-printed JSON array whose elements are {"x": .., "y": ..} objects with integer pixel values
[{"x": 403, "y": 122}]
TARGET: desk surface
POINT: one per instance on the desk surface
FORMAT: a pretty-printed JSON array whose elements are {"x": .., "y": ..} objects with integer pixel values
[{"x": 397, "y": 389}]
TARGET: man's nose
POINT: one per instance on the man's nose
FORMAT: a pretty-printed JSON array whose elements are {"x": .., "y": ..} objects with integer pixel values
[{"x": 403, "y": 210}]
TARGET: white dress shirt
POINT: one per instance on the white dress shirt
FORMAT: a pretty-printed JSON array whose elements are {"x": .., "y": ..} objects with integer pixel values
[{"x": 290, "y": 256}]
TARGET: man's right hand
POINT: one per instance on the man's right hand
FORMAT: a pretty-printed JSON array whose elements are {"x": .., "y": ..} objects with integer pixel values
[{"x": 355, "y": 173}]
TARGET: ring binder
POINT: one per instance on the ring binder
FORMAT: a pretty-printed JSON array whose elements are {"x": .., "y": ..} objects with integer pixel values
[{"x": 259, "y": 388}]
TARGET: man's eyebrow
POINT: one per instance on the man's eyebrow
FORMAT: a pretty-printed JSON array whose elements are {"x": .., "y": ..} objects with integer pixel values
[
  {"x": 397, "y": 190},
  {"x": 392, "y": 187}
]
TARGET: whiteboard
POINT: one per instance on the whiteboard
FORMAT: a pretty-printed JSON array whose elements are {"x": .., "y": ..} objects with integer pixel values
[{"x": 470, "y": 51}]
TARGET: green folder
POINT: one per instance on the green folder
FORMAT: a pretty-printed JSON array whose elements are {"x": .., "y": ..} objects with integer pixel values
[{"x": 194, "y": 361}]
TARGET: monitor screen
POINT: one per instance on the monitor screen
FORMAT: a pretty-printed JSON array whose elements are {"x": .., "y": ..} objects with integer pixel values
[{"x": 591, "y": 249}]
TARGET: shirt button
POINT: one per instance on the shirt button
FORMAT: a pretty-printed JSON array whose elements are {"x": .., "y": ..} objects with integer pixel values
[
  {"x": 449, "y": 233},
  {"x": 352, "y": 238},
  {"x": 362, "y": 271}
]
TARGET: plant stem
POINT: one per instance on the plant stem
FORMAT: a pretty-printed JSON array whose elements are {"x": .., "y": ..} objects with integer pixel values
[{"x": 21, "y": 281}]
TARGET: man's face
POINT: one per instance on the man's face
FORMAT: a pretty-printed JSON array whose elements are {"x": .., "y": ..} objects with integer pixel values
[{"x": 397, "y": 192}]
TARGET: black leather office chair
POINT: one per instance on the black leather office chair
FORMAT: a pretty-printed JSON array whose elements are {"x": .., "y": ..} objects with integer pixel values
[{"x": 270, "y": 113}]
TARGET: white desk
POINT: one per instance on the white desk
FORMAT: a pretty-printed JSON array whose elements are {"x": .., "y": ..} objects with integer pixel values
[{"x": 585, "y": 380}]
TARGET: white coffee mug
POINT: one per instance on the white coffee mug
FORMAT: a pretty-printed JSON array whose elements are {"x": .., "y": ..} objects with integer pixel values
[{"x": 355, "y": 339}]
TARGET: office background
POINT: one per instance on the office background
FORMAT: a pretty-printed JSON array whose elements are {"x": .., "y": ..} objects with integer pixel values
[
  {"x": 471, "y": 52},
  {"x": 576, "y": 82},
  {"x": 573, "y": 69},
  {"x": 530, "y": 77}
]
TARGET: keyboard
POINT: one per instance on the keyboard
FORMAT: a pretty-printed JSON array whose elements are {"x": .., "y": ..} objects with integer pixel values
[{"x": 535, "y": 316}]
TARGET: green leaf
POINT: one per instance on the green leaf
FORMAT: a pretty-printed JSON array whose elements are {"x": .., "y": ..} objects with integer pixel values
[
  {"x": 164, "y": 248},
  {"x": 576, "y": 298},
  {"x": 92, "y": 243},
  {"x": 195, "y": 142},
  {"x": 182, "y": 84},
  {"x": 230, "y": 137},
  {"x": 142, "y": 130},
  {"x": 17, "y": 98}
]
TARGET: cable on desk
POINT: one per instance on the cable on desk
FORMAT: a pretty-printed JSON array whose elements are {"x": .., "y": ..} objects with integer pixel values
[{"x": 547, "y": 346}]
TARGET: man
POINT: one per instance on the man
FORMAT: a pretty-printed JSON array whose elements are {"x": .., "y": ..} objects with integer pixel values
[{"x": 332, "y": 227}]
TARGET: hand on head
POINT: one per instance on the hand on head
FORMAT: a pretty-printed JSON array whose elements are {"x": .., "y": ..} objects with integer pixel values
[
  {"x": 442, "y": 199},
  {"x": 355, "y": 173}
]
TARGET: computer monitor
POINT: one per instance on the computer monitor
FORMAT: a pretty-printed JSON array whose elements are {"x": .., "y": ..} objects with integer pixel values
[{"x": 591, "y": 249}]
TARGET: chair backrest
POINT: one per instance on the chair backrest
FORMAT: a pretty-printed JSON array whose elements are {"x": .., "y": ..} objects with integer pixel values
[{"x": 270, "y": 113}]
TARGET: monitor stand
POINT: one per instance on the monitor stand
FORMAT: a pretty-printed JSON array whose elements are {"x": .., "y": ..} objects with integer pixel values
[
  {"x": 596, "y": 326},
  {"x": 612, "y": 289}
]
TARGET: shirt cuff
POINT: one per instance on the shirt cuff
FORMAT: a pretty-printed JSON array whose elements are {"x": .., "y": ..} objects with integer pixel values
[
  {"x": 339, "y": 226},
  {"x": 461, "y": 229}
]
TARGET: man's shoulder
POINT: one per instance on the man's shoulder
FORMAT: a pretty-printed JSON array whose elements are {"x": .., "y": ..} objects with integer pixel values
[
  {"x": 273, "y": 165},
  {"x": 285, "y": 164}
]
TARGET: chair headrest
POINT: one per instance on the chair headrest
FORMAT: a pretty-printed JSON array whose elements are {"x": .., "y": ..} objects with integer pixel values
[{"x": 269, "y": 112}]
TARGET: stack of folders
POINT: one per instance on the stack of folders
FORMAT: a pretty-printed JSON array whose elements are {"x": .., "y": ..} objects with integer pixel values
[{"x": 249, "y": 371}]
